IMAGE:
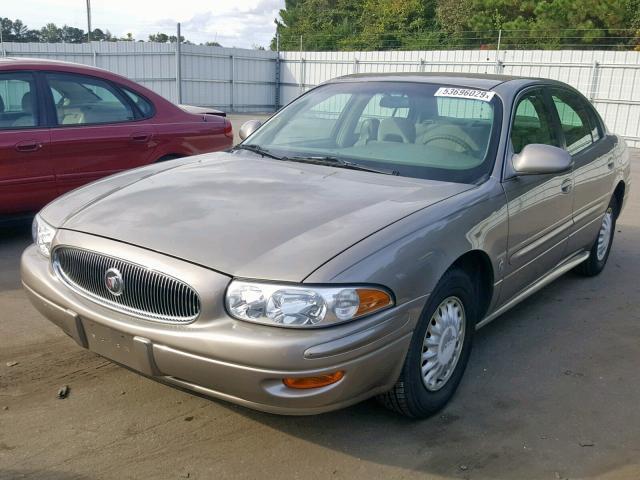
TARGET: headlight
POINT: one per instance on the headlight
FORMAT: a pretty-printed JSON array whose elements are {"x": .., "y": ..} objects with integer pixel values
[
  {"x": 42, "y": 235},
  {"x": 301, "y": 305}
]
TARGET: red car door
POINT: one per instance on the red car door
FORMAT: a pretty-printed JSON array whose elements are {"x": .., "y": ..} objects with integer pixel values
[
  {"x": 27, "y": 180},
  {"x": 99, "y": 130}
]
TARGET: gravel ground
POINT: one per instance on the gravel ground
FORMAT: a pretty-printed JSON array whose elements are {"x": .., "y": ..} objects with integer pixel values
[{"x": 551, "y": 392}]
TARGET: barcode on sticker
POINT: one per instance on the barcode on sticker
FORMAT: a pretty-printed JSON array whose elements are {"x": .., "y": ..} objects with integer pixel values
[{"x": 465, "y": 93}]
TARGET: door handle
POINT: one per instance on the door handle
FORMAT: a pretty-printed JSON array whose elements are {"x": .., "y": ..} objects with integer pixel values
[
  {"x": 567, "y": 185},
  {"x": 28, "y": 146},
  {"x": 140, "y": 137}
]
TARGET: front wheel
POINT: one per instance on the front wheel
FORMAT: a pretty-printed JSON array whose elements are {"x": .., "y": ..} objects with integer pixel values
[
  {"x": 439, "y": 349},
  {"x": 602, "y": 246}
]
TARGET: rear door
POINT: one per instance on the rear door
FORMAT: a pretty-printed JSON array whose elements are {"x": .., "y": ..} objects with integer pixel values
[
  {"x": 99, "y": 130},
  {"x": 539, "y": 206},
  {"x": 27, "y": 180},
  {"x": 594, "y": 163}
]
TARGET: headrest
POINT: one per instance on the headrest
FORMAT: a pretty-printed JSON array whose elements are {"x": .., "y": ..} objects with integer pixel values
[
  {"x": 396, "y": 129},
  {"x": 369, "y": 130},
  {"x": 1, "y": 105},
  {"x": 27, "y": 106}
]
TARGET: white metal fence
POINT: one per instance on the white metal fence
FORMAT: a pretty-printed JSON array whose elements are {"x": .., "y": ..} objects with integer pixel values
[
  {"x": 232, "y": 79},
  {"x": 610, "y": 79},
  {"x": 244, "y": 80}
]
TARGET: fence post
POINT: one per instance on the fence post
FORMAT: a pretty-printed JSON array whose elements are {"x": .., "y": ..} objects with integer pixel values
[
  {"x": 301, "y": 82},
  {"x": 594, "y": 81},
  {"x": 498, "y": 62},
  {"x": 422, "y": 63},
  {"x": 95, "y": 55},
  {"x": 178, "y": 66},
  {"x": 277, "y": 85},
  {"x": 233, "y": 77},
  {"x": 355, "y": 65}
]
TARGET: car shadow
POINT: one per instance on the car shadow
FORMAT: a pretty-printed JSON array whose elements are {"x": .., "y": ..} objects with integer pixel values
[{"x": 15, "y": 236}]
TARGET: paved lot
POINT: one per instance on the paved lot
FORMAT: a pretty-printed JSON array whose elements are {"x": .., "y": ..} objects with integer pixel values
[{"x": 552, "y": 391}]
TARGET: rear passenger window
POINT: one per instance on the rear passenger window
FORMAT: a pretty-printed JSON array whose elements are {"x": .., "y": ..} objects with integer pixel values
[
  {"x": 81, "y": 100},
  {"x": 463, "y": 108},
  {"x": 142, "y": 103},
  {"x": 577, "y": 119},
  {"x": 532, "y": 123},
  {"x": 18, "y": 105},
  {"x": 382, "y": 106}
]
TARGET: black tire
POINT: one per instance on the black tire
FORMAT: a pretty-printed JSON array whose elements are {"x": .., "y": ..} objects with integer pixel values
[
  {"x": 166, "y": 158},
  {"x": 409, "y": 396},
  {"x": 594, "y": 265}
]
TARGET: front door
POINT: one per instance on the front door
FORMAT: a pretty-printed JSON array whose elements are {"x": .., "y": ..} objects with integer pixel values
[
  {"x": 27, "y": 180},
  {"x": 539, "y": 206}
]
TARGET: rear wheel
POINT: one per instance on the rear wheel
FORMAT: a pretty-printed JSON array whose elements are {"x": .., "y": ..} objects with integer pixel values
[
  {"x": 439, "y": 349},
  {"x": 602, "y": 246},
  {"x": 166, "y": 158}
]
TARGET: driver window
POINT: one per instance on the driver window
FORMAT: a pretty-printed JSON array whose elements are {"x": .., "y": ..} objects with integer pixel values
[{"x": 532, "y": 123}]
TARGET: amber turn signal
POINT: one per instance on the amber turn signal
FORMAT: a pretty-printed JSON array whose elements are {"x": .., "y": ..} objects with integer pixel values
[
  {"x": 313, "y": 382},
  {"x": 372, "y": 300}
]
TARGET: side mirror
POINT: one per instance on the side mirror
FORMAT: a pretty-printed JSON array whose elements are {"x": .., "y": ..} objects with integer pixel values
[
  {"x": 248, "y": 128},
  {"x": 538, "y": 159}
]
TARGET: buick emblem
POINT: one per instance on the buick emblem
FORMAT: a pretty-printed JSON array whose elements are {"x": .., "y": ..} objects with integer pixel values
[{"x": 113, "y": 281}]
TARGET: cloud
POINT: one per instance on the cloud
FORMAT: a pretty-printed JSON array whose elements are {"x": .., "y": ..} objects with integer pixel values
[
  {"x": 240, "y": 26},
  {"x": 240, "y": 23}
]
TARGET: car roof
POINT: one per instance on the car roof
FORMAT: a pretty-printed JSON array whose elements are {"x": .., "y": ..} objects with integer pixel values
[
  {"x": 12, "y": 61},
  {"x": 456, "y": 79},
  {"x": 40, "y": 63}
]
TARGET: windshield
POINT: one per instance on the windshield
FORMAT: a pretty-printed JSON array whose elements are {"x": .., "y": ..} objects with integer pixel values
[{"x": 413, "y": 129}]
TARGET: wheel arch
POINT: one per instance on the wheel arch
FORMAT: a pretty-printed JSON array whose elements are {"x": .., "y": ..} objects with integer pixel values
[
  {"x": 477, "y": 264},
  {"x": 618, "y": 194}
]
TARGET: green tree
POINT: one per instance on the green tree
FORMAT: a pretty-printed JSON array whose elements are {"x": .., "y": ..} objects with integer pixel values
[
  {"x": 51, "y": 33},
  {"x": 159, "y": 37},
  {"x": 72, "y": 35},
  {"x": 388, "y": 24},
  {"x": 412, "y": 24}
]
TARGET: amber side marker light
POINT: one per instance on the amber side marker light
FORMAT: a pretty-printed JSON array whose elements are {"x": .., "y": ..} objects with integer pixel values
[
  {"x": 372, "y": 300},
  {"x": 313, "y": 382}
]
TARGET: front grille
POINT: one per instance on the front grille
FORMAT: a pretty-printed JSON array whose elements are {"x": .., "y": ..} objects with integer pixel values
[{"x": 145, "y": 293}]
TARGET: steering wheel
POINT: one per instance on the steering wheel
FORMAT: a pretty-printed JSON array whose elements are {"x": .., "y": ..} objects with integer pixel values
[{"x": 452, "y": 139}]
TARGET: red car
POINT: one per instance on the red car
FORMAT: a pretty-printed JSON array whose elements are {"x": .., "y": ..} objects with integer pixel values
[{"x": 63, "y": 125}]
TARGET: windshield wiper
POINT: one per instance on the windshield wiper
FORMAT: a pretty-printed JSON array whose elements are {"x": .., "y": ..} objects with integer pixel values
[
  {"x": 259, "y": 150},
  {"x": 319, "y": 160},
  {"x": 339, "y": 162}
]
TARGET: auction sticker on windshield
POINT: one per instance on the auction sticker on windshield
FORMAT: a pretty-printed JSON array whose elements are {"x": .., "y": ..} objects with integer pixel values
[{"x": 465, "y": 93}]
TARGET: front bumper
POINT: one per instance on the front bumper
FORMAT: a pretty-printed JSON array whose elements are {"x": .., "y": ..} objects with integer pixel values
[{"x": 221, "y": 357}]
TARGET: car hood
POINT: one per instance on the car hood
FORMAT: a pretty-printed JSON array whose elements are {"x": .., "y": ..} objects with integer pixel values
[{"x": 248, "y": 216}]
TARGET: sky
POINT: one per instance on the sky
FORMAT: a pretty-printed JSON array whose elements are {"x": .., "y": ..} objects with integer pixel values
[{"x": 232, "y": 23}]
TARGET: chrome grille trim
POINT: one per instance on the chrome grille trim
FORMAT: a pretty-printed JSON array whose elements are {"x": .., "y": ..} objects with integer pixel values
[{"x": 147, "y": 294}]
